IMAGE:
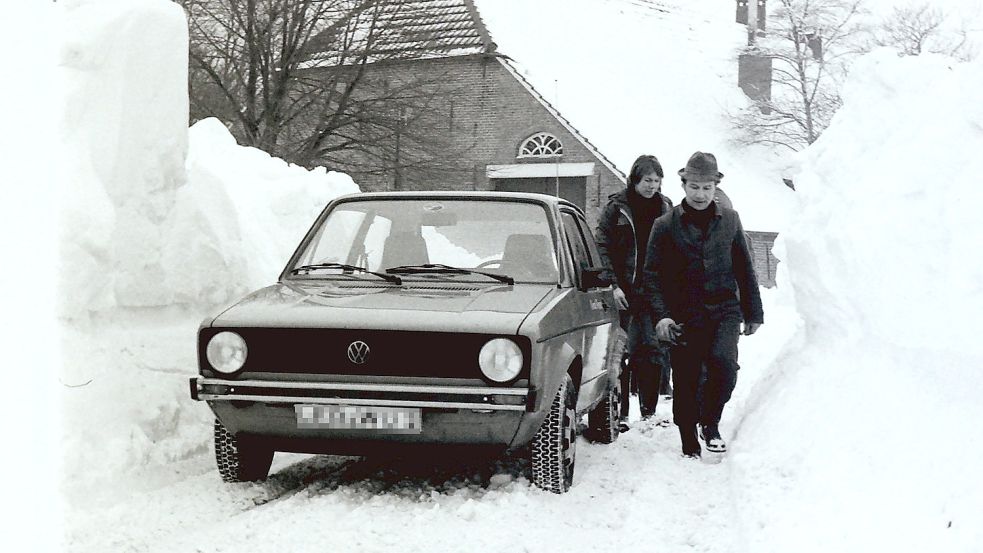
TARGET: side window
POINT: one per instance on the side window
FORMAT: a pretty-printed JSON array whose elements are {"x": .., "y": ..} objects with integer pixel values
[
  {"x": 595, "y": 258},
  {"x": 576, "y": 240}
]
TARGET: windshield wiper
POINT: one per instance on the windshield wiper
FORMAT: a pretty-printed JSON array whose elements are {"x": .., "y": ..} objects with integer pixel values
[
  {"x": 438, "y": 268},
  {"x": 344, "y": 267}
]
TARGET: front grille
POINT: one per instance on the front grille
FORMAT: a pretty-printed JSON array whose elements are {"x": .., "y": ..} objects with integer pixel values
[{"x": 392, "y": 353}]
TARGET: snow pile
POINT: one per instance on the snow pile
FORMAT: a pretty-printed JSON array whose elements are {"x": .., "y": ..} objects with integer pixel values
[
  {"x": 859, "y": 439},
  {"x": 242, "y": 214},
  {"x": 140, "y": 228},
  {"x": 159, "y": 226},
  {"x": 123, "y": 67},
  {"x": 645, "y": 77}
]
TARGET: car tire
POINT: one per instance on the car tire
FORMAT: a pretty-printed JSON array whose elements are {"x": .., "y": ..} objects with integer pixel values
[
  {"x": 602, "y": 421},
  {"x": 240, "y": 460},
  {"x": 554, "y": 448}
]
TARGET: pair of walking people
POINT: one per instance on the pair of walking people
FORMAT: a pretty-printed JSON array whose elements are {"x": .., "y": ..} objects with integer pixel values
[{"x": 685, "y": 282}]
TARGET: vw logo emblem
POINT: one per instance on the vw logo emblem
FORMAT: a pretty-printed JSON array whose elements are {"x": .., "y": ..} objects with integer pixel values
[{"x": 358, "y": 352}]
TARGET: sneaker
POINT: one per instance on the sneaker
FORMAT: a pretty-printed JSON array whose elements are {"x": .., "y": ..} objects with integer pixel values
[
  {"x": 623, "y": 426},
  {"x": 711, "y": 436},
  {"x": 691, "y": 445}
]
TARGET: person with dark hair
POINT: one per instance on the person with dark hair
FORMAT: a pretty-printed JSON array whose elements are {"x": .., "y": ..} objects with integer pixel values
[
  {"x": 622, "y": 240},
  {"x": 700, "y": 285}
]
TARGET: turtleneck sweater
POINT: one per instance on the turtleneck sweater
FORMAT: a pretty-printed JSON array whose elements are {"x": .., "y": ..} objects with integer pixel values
[
  {"x": 644, "y": 212},
  {"x": 700, "y": 217}
]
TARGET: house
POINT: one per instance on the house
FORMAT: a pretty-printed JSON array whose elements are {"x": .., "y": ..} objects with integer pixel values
[{"x": 471, "y": 121}]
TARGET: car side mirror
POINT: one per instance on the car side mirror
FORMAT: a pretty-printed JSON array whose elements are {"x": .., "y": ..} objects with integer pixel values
[{"x": 590, "y": 277}]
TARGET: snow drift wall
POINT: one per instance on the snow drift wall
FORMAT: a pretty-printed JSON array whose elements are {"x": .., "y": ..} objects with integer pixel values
[
  {"x": 889, "y": 228},
  {"x": 124, "y": 126},
  {"x": 858, "y": 439},
  {"x": 145, "y": 222}
]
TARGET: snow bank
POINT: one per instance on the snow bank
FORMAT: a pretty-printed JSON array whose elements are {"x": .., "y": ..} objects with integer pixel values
[
  {"x": 860, "y": 437},
  {"x": 158, "y": 226},
  {"x": 124, "y": 67},
  {"x": 139, "y": 227},
  {"x": 241, "y": 216}
]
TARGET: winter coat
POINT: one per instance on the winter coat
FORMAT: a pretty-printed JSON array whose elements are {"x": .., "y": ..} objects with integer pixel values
[
  {"x": 689, "y": 274},
  {"x": 616, "y": 242}
]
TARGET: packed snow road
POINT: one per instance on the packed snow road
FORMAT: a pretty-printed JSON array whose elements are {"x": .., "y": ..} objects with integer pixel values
[
  {"x": 125, "y": 494},
  {"x": 634, "y": 492}
]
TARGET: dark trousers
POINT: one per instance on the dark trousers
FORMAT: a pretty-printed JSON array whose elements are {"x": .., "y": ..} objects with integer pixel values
[
  {"x": 645, "y": 365},
  {"x": 709, "y": 343}
]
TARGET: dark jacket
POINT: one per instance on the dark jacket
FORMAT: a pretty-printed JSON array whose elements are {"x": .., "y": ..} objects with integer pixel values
[
  {"x": 688, "y": 274},
  {"x": 616, "y": 242}
]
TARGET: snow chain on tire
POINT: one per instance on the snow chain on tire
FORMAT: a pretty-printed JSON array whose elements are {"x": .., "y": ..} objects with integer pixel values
[
  {"x": 554, "y": 447},
  {"x": 237, "y": 461},
  {"x": 603, "y": 419}
]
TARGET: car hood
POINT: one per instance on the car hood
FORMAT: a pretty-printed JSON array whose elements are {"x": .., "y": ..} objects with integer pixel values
[{"x": 424, "y": 306}]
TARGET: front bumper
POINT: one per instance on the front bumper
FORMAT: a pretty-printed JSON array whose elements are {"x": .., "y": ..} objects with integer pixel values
[
  {"x": 351, "y": 393},
  {"x": 450, "y": 414}
]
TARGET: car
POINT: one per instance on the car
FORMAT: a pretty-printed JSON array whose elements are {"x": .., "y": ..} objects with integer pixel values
[{"x": 409, "y": 320}]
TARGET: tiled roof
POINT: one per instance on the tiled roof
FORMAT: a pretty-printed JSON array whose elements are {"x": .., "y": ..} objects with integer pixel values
[{"x": 416, "y": 29}]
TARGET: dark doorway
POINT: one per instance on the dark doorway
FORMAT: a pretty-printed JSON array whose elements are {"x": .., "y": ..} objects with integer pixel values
[{"x": 572, "y": 189}]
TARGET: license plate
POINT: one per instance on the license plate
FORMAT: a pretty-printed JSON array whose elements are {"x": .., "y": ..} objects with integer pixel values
[{"x": 394, "y": 420}]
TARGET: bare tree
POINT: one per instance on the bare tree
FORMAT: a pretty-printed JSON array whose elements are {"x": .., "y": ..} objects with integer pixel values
[
  {"x": 915, "y": 29},
  {"x": 300, "y": 80},
  {"x": 810, "y": 43}
]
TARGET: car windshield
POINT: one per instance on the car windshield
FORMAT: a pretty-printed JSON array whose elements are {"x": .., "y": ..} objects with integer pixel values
[{"x": 501, "y": 237}]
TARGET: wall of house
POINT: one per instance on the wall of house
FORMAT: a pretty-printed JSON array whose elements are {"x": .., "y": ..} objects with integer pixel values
[
  {"x": 765, "y": 262},
  {"x": 485, "y": 115}
]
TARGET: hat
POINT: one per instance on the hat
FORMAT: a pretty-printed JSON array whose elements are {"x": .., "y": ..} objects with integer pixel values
[{"x": 701, "y": 167}]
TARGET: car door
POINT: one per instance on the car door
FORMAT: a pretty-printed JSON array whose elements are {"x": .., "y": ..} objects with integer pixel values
[{"x": 596, "y": 307}]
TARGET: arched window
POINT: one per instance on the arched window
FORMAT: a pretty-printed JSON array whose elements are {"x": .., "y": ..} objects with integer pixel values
[{"x": 541, "y": 144}]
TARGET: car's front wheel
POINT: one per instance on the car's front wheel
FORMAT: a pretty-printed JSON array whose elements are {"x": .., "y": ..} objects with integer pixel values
[
  {"x": 240, "y": 460},
  {"x": 554, "y": 448},
  {"x": 602, "y": 421}
]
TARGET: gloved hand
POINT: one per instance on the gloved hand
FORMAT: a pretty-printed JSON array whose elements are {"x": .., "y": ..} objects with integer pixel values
[
  {"x": 620, "y": 300},
  {"x": 668, "y": 331},
  {"x": 750, "y": 328}
]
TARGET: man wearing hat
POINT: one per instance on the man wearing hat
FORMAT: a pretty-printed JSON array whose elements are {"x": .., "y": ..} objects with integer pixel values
[{"x": 700, "y": 284}]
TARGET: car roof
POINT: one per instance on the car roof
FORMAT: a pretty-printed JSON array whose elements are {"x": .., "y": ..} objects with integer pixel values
[{"x": 462, "y": 195}]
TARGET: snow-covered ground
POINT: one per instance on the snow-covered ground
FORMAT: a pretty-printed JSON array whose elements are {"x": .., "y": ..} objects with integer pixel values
[{"x": 852, "y": 427}]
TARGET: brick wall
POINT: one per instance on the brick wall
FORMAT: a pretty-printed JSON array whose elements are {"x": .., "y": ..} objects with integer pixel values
[
  {"x": 765, "y": 262},
  {"x": 484, "y": 115}
]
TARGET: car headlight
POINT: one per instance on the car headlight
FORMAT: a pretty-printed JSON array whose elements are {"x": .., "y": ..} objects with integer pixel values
[
  {"x": 500, "y": 359},
  {"x": 226, "y": 352}
]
